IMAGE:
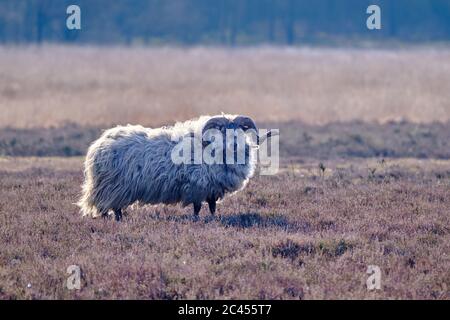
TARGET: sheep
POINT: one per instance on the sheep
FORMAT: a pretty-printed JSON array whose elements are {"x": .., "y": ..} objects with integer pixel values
[{"x": 133, "y": 164}]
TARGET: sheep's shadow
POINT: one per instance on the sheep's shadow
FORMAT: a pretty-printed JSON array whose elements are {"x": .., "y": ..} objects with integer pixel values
[
  {"x": 243, "y": 221},
  {"x": 249, "y": 220}
]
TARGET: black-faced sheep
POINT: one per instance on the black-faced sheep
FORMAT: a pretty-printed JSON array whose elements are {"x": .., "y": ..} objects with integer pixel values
[{"x": 129, "y": 164}]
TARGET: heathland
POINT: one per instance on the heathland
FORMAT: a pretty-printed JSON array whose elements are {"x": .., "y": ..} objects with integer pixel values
[{"x": 364, "y": 177}]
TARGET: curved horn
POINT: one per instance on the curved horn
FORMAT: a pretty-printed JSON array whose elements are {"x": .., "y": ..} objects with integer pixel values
[
  {"x": 215, "y": 123},
  {"x": 245, "y": 123}
]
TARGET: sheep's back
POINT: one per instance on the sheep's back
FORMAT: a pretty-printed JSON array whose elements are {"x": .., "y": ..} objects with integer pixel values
[{"x": 133, "y": 163}]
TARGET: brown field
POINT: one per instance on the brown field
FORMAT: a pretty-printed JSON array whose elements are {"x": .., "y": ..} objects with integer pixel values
[
  {"x": 376, "y": 121},
  {"x": 302, "y": 234},
  {"x": 333, "y": 140},
  {"x": 103, "y": 86}
]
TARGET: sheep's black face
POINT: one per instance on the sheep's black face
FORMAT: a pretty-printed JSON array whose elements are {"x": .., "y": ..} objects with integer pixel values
[
  {"x": 236, "y": 149},
  {"x": 228, "y": 138}
]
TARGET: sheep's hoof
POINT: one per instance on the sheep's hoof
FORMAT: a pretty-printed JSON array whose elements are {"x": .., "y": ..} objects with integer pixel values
[{"x": 118, "y": 214}]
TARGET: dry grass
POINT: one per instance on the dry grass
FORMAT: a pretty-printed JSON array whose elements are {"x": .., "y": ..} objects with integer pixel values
[
  {"x": 301, "y": 234},
  {"x": 307, "y": 233},
  {"x": 101, "y": 86},
  {"x": 333, "y": 140}
]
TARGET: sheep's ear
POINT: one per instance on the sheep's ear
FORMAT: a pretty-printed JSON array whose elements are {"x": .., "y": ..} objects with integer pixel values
[
  {"x": 269, "y": 134},
  {"x": 205, "y": 142}
]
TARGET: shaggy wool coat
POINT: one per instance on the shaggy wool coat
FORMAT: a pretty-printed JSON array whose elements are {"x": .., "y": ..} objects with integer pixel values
[{"x": 129, "y": 164}]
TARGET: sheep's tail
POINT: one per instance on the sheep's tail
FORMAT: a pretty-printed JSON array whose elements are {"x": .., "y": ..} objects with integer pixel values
[{"x": 86, "y": 202}]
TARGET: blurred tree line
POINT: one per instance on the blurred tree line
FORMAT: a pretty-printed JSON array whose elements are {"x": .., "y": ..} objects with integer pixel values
[{"x": 230, "y": 22}]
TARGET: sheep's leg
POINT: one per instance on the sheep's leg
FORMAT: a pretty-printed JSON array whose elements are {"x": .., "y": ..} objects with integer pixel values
[
  {"x": 118, "y": 214},
  {"x": 212, "y": 205},
  {"x": 197, "y": 207},
  {"x": 103, "y": 213}
]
